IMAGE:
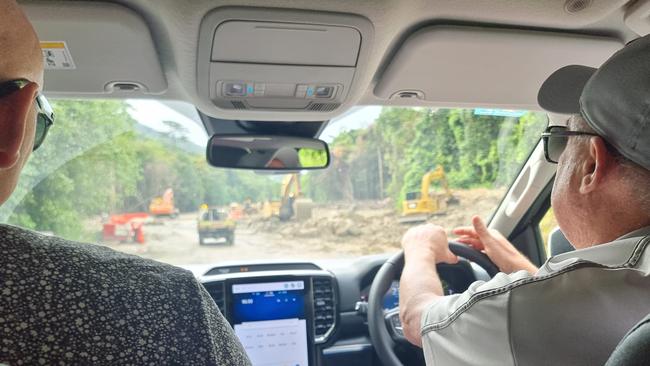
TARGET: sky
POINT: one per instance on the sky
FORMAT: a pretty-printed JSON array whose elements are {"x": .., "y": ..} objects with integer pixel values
[
  {"x": 355, "y": 118},
  {"x": 152, "y": 113}
]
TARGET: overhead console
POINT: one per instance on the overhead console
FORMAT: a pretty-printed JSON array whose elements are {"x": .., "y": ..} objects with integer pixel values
[
  {"x": 271, "y": 60},
  {"x": 455, "y": 65},
  {"x": 96, "y": 49}
]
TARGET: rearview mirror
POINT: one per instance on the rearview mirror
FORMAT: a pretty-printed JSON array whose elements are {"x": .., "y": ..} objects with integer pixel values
[{"x": 267, "y": 152}]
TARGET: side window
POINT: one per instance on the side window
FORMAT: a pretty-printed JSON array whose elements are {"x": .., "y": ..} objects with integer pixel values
[{"x": 546, "y": 225}]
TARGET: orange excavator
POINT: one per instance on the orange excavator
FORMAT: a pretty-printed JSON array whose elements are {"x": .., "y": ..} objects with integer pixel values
[{"x": 164, "y": 206}]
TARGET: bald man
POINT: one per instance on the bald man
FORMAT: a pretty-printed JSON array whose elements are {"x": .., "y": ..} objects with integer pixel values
[{"x": 68, "y": 303}]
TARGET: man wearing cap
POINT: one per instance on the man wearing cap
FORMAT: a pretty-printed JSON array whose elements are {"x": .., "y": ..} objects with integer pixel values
[{"x": 578, "y": 305}]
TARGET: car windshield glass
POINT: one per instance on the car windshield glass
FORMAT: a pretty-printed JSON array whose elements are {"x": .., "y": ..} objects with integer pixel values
[{"x": 132, "y": 175}]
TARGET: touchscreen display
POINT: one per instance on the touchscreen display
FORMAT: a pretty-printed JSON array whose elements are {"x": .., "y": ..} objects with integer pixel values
[{"x": 269, "y": 319}]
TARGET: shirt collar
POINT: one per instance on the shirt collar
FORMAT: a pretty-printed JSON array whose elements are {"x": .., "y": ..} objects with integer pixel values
[
  {"x": 644, "y": 231},
  {"x": 614, "y": 254}
]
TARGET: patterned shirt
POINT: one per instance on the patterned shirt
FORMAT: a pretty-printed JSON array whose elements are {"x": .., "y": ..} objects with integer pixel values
[{"x": 64, "y": 303}]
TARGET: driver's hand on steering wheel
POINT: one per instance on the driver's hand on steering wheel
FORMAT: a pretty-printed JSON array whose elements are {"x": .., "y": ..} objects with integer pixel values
[
  {"x": 428, "y": 241},
  {"x": 494, "y": 245}
]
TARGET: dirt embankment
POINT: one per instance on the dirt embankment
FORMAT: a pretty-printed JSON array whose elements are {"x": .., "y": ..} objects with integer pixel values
[{"x": 365, "y": 227}]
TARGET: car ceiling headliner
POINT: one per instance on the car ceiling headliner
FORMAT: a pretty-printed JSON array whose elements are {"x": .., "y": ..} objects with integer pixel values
[{"x": 175, "y": 27}]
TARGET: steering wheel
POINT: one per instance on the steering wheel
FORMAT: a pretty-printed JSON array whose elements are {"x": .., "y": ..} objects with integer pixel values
[{"x": 385, "y": 327}]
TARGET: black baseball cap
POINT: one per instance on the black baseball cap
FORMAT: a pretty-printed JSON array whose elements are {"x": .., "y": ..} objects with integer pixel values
[{"x": 614, "y": 99}]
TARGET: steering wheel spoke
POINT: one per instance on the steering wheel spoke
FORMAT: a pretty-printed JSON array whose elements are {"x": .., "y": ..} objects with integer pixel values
[
  {"x": 385, "y": 327},
  {"x": 394, "y": 325}
]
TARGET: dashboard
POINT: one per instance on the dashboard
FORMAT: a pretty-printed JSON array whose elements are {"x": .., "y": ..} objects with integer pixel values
[
  {"x": 280, "y": 317},
  {"x": 391, "y": 298},
  {"x": 274, "y": 320},
  {"x": 308, "y": 313}
]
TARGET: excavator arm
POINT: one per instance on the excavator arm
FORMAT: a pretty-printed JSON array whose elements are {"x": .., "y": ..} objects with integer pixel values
[
  {"x": 418, "y": 209},
  {"x": 291, "y": 184},
  {"x": 436, "y": 175}
]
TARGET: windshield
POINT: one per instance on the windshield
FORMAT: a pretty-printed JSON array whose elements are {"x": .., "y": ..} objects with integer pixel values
[{"x": 132, "y": 175}]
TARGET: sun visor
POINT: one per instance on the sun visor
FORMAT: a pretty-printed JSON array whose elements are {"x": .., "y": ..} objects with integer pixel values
[
  {"x": 453, "y": 65},
  {"x": 96, "y": 49}
]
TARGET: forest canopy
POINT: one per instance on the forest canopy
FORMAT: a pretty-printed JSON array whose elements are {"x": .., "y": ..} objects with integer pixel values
[{"x": 389, "y": 158}]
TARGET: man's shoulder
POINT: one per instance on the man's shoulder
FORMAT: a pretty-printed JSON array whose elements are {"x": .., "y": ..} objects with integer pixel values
[
  {"x": 38, "y": 252},
  {"x": 63, "y": 297},
  {"x": 563, "y": 303},
  {"x": 605, "y": 260}
]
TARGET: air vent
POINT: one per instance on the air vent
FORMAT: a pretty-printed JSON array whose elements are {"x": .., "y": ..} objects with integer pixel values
[
  {"x": 324, "y": 308},
  {"x": 238, "y": 105},
  {"x": 217, "y": 292},
  {"x": 323, "y": 107},
  {"x": 261, "y": 267}
]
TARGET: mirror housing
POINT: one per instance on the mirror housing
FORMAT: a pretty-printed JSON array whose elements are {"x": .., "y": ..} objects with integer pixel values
[{"x": 267, "y": 152}]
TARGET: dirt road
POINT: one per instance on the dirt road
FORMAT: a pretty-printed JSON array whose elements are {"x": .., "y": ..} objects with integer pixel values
[
  {"x": 176, "y": 241},
  {"x": 335, "y": 230}
]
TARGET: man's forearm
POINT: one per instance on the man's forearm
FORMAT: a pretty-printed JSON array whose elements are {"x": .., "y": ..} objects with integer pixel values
[{"x": 420, "y": 286}]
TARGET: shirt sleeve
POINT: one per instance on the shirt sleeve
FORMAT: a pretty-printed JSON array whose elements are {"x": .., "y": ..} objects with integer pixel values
[
  {"x": 471, "y": 328},
  {"x": 226, "y": 347}
]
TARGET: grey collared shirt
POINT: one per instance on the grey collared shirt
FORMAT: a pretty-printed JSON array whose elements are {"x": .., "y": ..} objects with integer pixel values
[{"x": 573, "y": 311}]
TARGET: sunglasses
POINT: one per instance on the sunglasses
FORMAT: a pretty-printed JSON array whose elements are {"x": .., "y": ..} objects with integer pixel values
[
  {"x": 555, "y": 140},
  {"x": 44, "y": 116}
]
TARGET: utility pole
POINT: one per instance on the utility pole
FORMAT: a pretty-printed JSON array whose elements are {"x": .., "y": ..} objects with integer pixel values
[{"x": 380, "y": 169}]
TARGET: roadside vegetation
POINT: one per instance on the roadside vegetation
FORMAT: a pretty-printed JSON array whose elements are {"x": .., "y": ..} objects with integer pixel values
[
  {"x": 389, "y": 158},
  {"x": 98, "y": 160}
]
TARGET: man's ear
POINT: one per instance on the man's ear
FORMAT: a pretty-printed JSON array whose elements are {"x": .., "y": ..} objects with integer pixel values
[
  {"x": 14, "y": 117},
  {"x": 596, "y": 166}
]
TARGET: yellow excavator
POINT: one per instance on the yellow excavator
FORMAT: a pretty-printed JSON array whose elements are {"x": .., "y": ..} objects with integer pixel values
[
  {"x": 291, "y": 204},
  {"x": 419, "y": 206}
]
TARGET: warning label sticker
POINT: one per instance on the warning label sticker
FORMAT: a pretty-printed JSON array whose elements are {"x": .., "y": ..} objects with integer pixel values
[{"x": 56, "y": 56}]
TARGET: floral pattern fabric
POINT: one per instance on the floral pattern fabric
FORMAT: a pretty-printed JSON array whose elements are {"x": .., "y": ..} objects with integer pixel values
[{"x": 68, "y": 303}]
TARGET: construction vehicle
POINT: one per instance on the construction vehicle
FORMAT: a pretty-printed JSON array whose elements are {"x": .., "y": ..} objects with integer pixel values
[
  {"x": 164, "y": 206},
  {"x": 215, "y": 223},
  {"x": 249, "y": 207},
  {"x": 420, "y": 206},
  {"x": 291, "y": 204},
  {"x": 236, "y": 211},
  {"x": 127, "y": 227}
]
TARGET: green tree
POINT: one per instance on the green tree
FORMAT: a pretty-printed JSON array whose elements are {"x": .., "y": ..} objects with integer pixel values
[
  {"x": 84, "y": 168},
  {"x": 389, "y": 157},
  {"x": 96, "y": 161}
]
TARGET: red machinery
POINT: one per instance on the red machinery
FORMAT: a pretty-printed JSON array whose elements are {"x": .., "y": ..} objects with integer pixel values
[{"x": 125, "y": 227}]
